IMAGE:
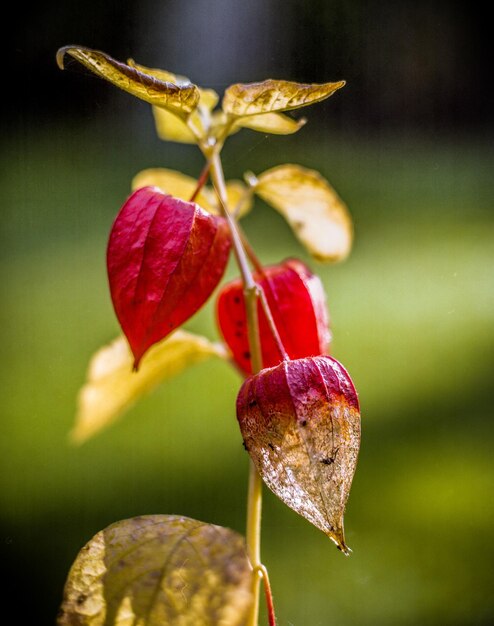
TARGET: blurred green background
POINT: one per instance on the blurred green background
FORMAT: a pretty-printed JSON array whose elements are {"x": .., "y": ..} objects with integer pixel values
[{"x": 412, "y": 313}]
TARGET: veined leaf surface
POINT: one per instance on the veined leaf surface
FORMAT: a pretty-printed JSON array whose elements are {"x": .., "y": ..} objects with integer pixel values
[
  {"x": 159, "y": 569},
  {"x": 179, "y": 99},
  {"x": 316, "y": 213},
  {"x": 272, "y": 96},
  {"x": 300, "y": 422},
  {"x": 165, "y": 257}
]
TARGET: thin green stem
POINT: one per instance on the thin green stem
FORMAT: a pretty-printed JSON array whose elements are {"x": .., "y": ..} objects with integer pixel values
[{"x": 251, "y": 294}]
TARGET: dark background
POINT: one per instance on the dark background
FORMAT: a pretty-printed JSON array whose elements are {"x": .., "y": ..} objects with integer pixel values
[{"x": 408, "y": 145}]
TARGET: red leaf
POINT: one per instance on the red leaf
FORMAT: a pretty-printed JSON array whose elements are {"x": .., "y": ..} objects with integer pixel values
[
  {"x": 300, "y": 422},
  {"x": 298, "y": 306},
  {"x": 165, "y": 257}
]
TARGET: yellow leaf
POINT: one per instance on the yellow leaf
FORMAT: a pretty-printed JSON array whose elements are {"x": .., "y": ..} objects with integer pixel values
[
  {"x": 274, "y": 123},
  {"x": 182, "y": 186},
  {"x": 239, "y": 198},
  {"x": 313, "y": 209},
  {"x": 179, "y": 99},
  {"x": 111, "y": 387},
  {"x": 274, "y": 95},
  {"x": 159, "y": 569},
  {"x": 176, "y": 184},
  {"x": 170, "y": 127}
]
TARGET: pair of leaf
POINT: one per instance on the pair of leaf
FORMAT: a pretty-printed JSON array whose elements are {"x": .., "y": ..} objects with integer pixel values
[
  {"x": 314, "y": 211},
  {"x": 258, "y": 106},
  {"x": 156, "y": 570},
  {"x": 184, "y": 187}
]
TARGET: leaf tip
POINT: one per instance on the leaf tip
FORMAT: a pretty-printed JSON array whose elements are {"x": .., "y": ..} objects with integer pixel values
[
  {"x": 339, "y": 540},
  {"x": 61, "y": 52}
]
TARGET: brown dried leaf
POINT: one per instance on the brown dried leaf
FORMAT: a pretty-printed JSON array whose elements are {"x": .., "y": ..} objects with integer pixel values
[
  {"x": 159, "y": 569},
  {"x": 112, "y": 388},
  {"x": 316, "y": 213},
  {"x": 300, "y": 422},
  {"x": 182, "y": 186},
  {"x": 271, "y": 95},
  {"x": 179, "y": 99}
]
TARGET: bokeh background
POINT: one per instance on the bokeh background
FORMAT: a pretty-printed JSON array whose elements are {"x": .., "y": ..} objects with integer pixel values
[{"x": 408, "y": 145}]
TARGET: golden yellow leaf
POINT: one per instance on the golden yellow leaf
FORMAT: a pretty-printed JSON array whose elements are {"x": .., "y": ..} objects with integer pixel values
[
  {"x": 183, "y": 186},
  {"x": 179, "y": 99},
  {"x": 274, "y": 95},
  {"x": 274, "y": 123},
  {"x": 112, "y": 387},
  {"x": 317, "y": 215},
  {"x": 176, "y": 184},
  {"x": 154, "y": 570},
  {"x": 170, "y": 127}
]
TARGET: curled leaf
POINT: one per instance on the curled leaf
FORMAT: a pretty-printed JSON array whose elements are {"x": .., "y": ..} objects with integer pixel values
[
  {"x": 165, "y": 257},
  {"x": 111, "y": 387},
  {"x": 179, "y": 99},
  {"x": 298, "y": 306},
  {"x": 271, "y": 96},
  {"x": 316, "y": 213},
  {"x": 159, "y": 569},
  {"x": 170, "y": 127},
  {"x": 300, "y": 422},
  {"x": 182, "y": 186}
]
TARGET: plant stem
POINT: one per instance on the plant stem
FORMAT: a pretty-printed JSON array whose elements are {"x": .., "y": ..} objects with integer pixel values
[
  {"x": 201, "y": 181},
  {"x": 251, "y": 294}
]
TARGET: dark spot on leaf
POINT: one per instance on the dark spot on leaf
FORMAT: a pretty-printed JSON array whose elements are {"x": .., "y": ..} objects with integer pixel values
[
  {"x": 81, "y": 598},
  {"x": 245, "y": 446},
  {"x": 237, "y": 300},
  {"x": 298, "y": 225},
  {"x": 327, "y": 461},
  {"x": 271, "y": 446},
  {"x": 246, "y": 355},
  {"x": 239, "y": 323},
  {"x": 303, "y": 422},
  {"x": 238, "y": 334},
  {"x": 252, "y": 402}
]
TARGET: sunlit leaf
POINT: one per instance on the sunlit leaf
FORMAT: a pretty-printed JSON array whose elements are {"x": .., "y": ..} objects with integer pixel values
[
  {"x": 170, "y": 127},
  {"x": 300, "y": 422},
  {"x": 182, "y": 186},
  {"x": 111, "y": 387},
  {"x": 179, "y": 99},
  {"x": 297, "y": 304},
  {"x": 165, "y": 257},
  {"x": 159, "y": 570},
  {"x": 274, "y": 123},
  {"x": 316, "y": 213},
  {"x": 176, "y": 184},
  {"x": 271, "y": 95}
]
